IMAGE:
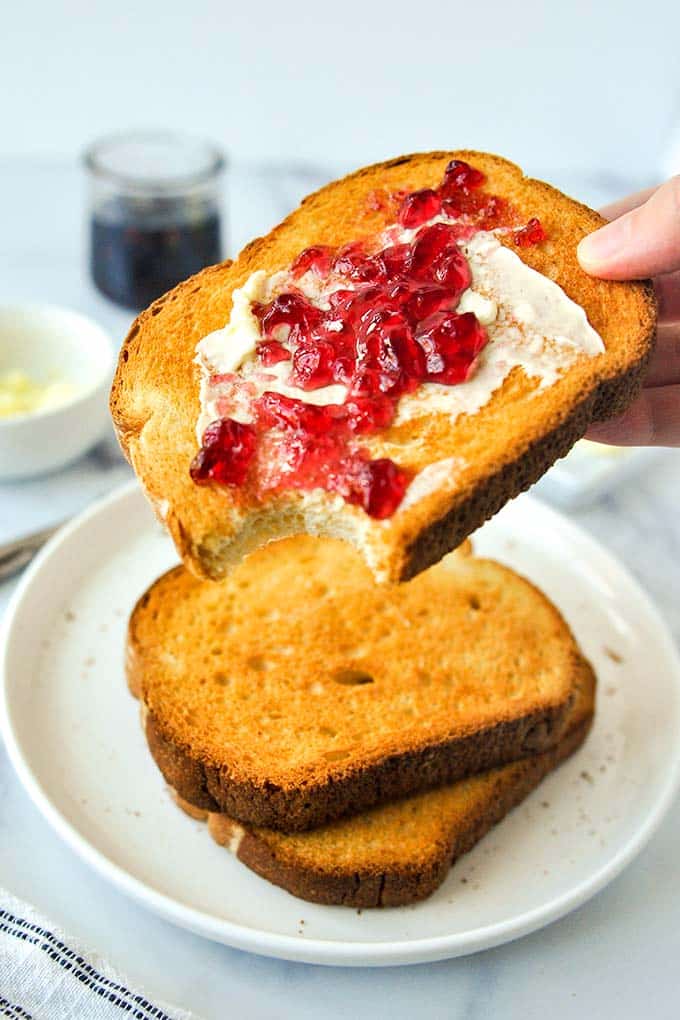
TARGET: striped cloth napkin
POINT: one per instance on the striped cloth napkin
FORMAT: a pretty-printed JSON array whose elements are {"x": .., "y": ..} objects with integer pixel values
[{"x": 47, "y": 975}]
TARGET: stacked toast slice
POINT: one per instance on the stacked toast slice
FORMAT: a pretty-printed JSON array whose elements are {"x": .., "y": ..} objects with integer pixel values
[
  {"x": 348, "y": 741},
  {"x": 400, "y": 852}
]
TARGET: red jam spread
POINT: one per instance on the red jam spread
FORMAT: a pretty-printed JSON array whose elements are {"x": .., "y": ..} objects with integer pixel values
[{"x": 393, "y": 327}]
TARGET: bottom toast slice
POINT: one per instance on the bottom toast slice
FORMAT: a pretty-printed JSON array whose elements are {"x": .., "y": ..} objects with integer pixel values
[{"x": 401, "y": 852}]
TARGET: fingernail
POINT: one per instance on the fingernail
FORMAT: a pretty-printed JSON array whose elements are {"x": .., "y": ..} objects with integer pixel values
[{"x": 598, "y": 248}]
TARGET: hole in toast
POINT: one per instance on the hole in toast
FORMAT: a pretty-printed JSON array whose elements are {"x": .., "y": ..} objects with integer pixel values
[
  {"x": 353, "y": 677},
  {"x": 222, "y": 679},
  {"x": 327, "y": 731},
  {"x": 257, "y": 662},
  {"x": 125, "y": 356},
  {"x": 474, "y": 602},
  {"x": 216, "y": 651},
  {"x": 335, "y": 755}
]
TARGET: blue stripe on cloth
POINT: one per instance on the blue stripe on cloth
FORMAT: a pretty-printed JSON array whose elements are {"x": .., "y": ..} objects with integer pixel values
[
  {"x": 14, "y": 1010},
  {"x": 118, "y": 995}
]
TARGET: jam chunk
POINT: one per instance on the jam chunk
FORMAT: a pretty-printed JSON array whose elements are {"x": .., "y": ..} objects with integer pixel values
[
  {"x": 225, "y": 456},
  {"x": 531, "y": 233}
]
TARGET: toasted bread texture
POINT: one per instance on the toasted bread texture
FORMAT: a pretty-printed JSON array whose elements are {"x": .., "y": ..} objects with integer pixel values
[
  {"x": 298, "y": 690},
  {"x": 497, "y": 452},
  {"x": 401, "y": 852}
]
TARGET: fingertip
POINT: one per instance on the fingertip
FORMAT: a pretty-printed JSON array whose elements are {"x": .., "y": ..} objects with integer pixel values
[
  {"x": 643, "y": 242},
  {"x": 596, "y": 250}
]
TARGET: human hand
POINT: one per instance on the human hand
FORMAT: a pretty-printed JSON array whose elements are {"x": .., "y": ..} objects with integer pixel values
[{"x": 644, "y": 240}]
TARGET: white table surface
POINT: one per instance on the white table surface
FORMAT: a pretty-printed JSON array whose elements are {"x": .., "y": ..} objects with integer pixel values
[{"x": 617, "y": 955}]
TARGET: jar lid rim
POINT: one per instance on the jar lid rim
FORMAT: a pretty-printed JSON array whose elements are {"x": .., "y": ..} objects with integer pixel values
[{"x": 105, "y": 158}]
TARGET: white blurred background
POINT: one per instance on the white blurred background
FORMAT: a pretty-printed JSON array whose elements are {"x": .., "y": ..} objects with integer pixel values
[{"x": 587, "y": 94}]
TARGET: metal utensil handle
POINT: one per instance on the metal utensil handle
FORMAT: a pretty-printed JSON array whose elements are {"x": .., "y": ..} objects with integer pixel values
[
  {"x": 16, "y": 554},
  {"x": 31, "y": 541}
]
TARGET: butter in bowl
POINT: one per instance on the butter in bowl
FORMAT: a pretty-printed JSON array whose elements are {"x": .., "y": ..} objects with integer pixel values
[
  {"x": 55, "y": 372},
  {"x": 19, "y": 394}
]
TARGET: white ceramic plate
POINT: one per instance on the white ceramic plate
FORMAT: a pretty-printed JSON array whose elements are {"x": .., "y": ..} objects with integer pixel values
[{"x": 73, "y": 734}]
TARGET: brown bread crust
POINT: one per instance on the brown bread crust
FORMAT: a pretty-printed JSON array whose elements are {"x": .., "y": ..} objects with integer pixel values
[
  {"x": 505, "y": 446},
  {"x": 308, "y": 807},
  {"x": 491, "y": 494},
  {"x": 375, "y": 862},
  {"x": 408, "y": 885}
]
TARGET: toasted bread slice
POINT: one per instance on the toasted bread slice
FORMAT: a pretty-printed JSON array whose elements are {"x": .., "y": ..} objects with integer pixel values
[
  {"x": 482, "y": 459},
  {"x": 401, "y": 852},
  {"x": 298, "y": 691}
]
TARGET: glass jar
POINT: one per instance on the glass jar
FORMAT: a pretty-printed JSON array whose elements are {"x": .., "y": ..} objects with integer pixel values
[{"x": 154, "y": 213}]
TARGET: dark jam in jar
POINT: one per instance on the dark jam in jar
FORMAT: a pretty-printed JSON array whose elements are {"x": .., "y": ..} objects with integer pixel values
[
  {"x": 154, "y": 213},
  {"x": 139, "y": 249}
]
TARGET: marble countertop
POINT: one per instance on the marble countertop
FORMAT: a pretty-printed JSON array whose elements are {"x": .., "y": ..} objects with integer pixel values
[{"x": 618, "y": 953}]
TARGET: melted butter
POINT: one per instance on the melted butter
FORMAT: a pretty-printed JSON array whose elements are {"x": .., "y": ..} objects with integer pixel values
[{"x": 536, "y": 327}]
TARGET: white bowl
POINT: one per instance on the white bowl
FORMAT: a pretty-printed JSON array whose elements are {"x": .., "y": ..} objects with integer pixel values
[{"x": 47, "y": 342}]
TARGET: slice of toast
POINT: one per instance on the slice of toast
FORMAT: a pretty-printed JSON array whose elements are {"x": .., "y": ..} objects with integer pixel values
[
  {"x": 472, "y": 463},
  {"x": 401, "y": 852},
  {"x": 298, "y": 691}
]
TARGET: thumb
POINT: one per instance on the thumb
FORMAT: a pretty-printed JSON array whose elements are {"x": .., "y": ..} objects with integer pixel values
[{"x": 642, "y": 242}]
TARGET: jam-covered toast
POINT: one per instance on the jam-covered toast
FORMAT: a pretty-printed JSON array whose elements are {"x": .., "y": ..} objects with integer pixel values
[
  {"x": 298, "y": 691},
  {"x": 403, "y": 354}
]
